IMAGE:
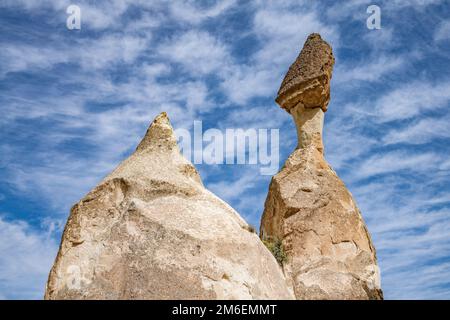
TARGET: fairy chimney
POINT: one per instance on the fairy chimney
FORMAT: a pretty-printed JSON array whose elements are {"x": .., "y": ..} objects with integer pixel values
[
  {"x": 150, "y": 230},
  {"x": 308, "y": 209}
]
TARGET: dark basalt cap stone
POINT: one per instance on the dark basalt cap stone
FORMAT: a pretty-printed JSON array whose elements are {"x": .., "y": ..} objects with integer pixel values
[{"x": 308, "y": 78}]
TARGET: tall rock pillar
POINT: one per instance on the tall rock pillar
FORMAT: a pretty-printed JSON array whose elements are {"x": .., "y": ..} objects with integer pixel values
[{"x": 308, "y": 209}]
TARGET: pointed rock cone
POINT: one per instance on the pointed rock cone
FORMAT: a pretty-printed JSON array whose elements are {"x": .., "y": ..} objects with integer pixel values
[
  {"x": 150, "y": 230},
  {"x": 309, "y": 211}
]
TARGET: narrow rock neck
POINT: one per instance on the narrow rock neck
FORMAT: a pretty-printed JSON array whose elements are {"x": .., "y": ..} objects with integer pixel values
[{"x": 309, "y": 122}]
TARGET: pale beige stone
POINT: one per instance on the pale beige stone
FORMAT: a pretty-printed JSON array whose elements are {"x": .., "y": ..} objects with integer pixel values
[
  {"x": 150, "y": 230},
  {"x": 329, "y": 251}
]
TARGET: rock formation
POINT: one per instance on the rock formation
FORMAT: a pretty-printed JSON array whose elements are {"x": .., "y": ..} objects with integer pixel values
[
  {"x": 150, "y": 230},
  {"x": 308, "y": 209}
]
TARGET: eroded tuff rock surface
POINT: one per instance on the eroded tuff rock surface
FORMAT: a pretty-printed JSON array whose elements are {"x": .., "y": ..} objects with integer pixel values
[
  {"x": 308, "y": 78},
  {"x": 150, "y": 230},
  {"x": 329, "y": 250}
]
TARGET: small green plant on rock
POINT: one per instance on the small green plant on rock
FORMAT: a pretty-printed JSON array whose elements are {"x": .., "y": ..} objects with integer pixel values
[{"x": 275, "y": 246}]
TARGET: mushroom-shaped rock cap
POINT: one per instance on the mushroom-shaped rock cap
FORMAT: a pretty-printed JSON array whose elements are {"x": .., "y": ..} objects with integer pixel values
[{"x": 308, "y": 78}]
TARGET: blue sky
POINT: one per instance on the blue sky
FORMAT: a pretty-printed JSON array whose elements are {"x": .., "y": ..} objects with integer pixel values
[{"x": 74, "y": 104}]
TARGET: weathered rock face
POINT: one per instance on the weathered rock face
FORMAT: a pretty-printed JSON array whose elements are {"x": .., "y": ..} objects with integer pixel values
[
  {"x": 308, "y": 78},
  {"x": 150, "y": 230},
  {"x": 329, "y": 251}
]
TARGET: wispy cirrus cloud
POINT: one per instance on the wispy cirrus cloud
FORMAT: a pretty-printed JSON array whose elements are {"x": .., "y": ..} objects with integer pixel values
[
  {"x": 412, "y": 99},
  {"x": 192, "y": 12},
  {"x": 443, "y": 31},
  {"x": 420, "y": 132},
  {"x": 373, "y": 70},
  {"x": 25, "y": 260},
  {"x": 397, "y": 162},
  {"x": 198, "y": 52}
]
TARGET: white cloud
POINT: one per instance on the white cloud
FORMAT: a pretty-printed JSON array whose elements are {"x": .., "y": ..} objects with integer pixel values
[
  {"x": 190, "y": 11},
  {"x": 37, "y": 4},
  {"x": 25, "y": 260},
  {"x": 247, "y": 82},
  {"x": 371, "y": 70},
  {"x": 25, "y": 57},
  {"x": 231, "y": 190},
  {"x": 108, "y": 50},
  {"x": 113, "y": 132},
  {"x": 410, "y": 236},
  {"x": 91, "y": 54},
  {"x": 95, "y": 15},
  {"x": 344, "y": 142},
  {"x": 417, "y": 4},
  {"x": 102, "y": 14},
  {"x": 197, "y": 51},
  {"x": 279, "y": 29},
  {"x": 146, "y": 23},
  {"x": 412, "y": 99},
  {"x": 419, "y": 132},
  {"x": 443, "y": 31},
  {"x": 396, "y": 162},
  {"x": 356, "y": 9},
  {"x": 257, "y": 117},
  {"x": 245, "y": 188}
]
